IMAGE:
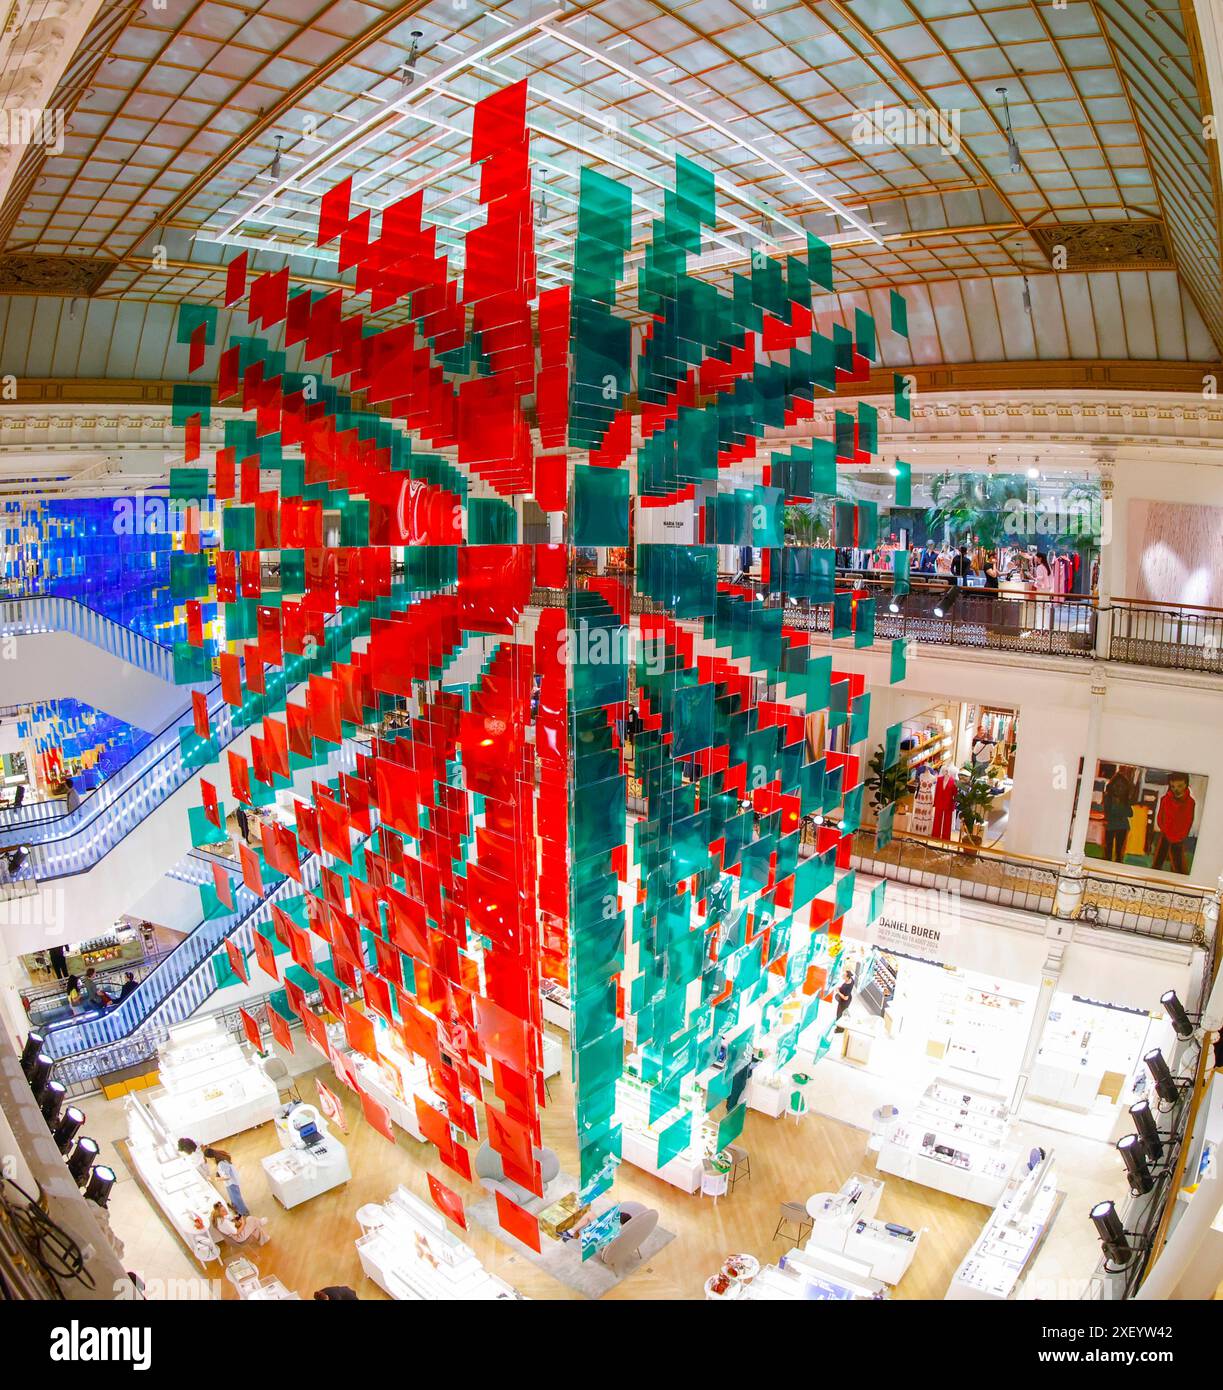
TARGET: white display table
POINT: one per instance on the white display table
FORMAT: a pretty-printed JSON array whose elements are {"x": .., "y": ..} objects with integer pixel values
[
  {"x": 994, "y": 1266},
  {"x": 181, "y": 1191},
  {"x": 299, "y": 1172},
  {"x": 844, "y": 1224},
  {"x": 814, "y": 1275},
  {"x": 640, "y": 1148},
  {"x": 296, "y": 1175},
  {"x": 210, "y": 1087},
  {"x": 413, "y": 1255}
]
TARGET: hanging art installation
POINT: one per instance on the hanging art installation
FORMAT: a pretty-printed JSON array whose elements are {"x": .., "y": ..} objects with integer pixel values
[{"x": 370, "y": 594}]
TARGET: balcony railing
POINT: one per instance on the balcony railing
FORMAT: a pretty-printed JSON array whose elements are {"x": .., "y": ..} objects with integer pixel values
[
  {"x": 48, "y": 613},
  {"x": 1143, "y": 907},
  {"x": 1179, "y": 637}
]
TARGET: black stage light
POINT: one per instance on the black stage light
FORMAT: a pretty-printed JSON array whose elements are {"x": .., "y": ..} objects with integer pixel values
[
  {"x": 1176, "y": 1015},
  {"x": 39, "y": 1073},
  {"x": 65, "y": 1132},
  {"x": 101, "y": 1180},
  {"x": 82, "y": 1159},
  {"x": 1148, "y": 1130},
  {"x": 895, "y": 602},
  {"x": 33, "y": 1046},
  {"x": 1117, "y": 1250},
  {"x": 1165, "y": 1085},
  {"x": 50, "y": 1101},
  {"x": 1134, "y": 1157},
  {"x": 947, "y": 601}
]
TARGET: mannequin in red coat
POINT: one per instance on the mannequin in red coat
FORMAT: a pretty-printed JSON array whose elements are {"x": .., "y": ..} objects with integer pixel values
[{"x": 944, "y": 805}]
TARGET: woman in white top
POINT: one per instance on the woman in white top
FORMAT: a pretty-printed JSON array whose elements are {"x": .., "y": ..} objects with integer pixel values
[
  {"x": 1042, "y": 581},
  {"x": 238, "y": 1230},
  {"x": 224, "y": 1172},
  {"x": 942, "y": 562}
]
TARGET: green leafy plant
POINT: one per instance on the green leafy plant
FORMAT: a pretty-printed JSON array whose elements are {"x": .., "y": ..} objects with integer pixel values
[
  {"x": 805, "y": 525},
  {"x": 974, "y": 795},
  {"x": 887, "y": 784}
]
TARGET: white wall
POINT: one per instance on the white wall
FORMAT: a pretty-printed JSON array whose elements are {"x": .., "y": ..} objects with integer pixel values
[
  {"x": 1158, "y": 479},
  {"x": 60, "y": 665}
]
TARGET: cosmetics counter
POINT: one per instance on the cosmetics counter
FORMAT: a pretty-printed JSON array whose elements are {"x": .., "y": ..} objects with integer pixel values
[
  {"x": 1004, "y": 1250},
  {"x": 640, "y": 1138},
  {"x": 814, "y": 1274},
  {"x": 954, "y": 1142},
  {"x": 845, "y": 1224},
  {"x": 184, "y": 1196},
  {"x": 409, "y": 1252},
  {"x": 210, "y": 1087},
  {"x": 311, "y": 1160}
]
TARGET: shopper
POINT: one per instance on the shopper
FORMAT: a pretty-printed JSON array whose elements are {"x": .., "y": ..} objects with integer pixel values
[
  {"x": 991, "y": 575},
  {"x": 1174, "y": 820},
  {"x": 224, "y": 1172},
  {"x": 73, "y": 796},
  {"x": 129, "y": 987},
  {"x": 961, "y": 566},
  {"x": 244, "y": 825},
  {"x": 239, "y": 1230},
  {"x": 942, "y": 563},
  {"x": 93, "y": 993},
  {"x": 335, "y": 1293},
  {"x": 59, "y": 962},
  {"x": 191, "y": 1151},
  {"x": 844, "y": 996},
  {"x": 1117, "y": 804}
]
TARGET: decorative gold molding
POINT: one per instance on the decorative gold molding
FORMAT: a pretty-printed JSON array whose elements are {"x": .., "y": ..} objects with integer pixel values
[
  {"x": 76, "y": 277},
  {"x": 1140, "y": 244}
]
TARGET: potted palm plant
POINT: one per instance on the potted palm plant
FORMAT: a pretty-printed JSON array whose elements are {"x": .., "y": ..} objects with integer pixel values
[
  {"x": 974, "y": 795},
  {"x": 887, "y": 785}
]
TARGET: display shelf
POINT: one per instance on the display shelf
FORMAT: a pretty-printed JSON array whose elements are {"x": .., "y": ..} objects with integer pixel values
[
  {"x": 412, "y": 1255},
  {"x": 639, "y": 1139},
  {"x": 210, "y": 1088},
  {"x": 994, "y": 1266},
  {"x": 184, "y": 1196}
]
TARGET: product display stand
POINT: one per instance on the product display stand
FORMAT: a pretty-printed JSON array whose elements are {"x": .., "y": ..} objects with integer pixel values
[
  {"x": 639, "y": 1139},
  {"x": 845, "y": 1224},
  {"x": 210, "y": 1087},
  {"x": 953, "y": 1142},
  {"x": 815, "y": 1274},
  {"x": 301, "y": 1171},
  {"x": 1006, "y": 1246},
  {"x": 412, "y": 1254},
  {"x": 181, "y": 1191}
]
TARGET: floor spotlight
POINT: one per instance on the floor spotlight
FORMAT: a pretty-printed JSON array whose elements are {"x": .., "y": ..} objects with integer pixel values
[
  {"x": 1117, "y": 1250},
  {"x": 39, "y": 1073},
  {"x": 946, "y": 601},
  {"x": 29, "y": 1053},
  {"x": 1136, "y": 1167},
  {"x": 1148, "y": 1130},
  {"x": 101, "y": 1180},
  {"x": 1165, "y": 1085},
  {"x": 51, "y": 1101},
  {"x": 82, "y": 1159},
  {"x": 65, "y": 1132},
  {"x": 1177, "y": 1016}
]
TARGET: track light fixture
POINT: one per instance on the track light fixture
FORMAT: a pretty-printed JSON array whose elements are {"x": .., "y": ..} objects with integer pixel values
[
  {"x": 1118, "y": 1252},
  {"x": 1148, "y": 1130},
  {"x": 1137, "y": 1169},
  {"x": 1027, "y": 296},
  {"x": 895, "y": 603},
  {"x": 65, "y": 1132},
  {"x": 274, "y": 169},
  {"x": 946, "y": 601},
  {"x": 1012, "y": 149},
  {"x": 1165, "y": 1083},
  {"x": 1177, "y": 1016},
  {"x": 82, "y": 1159},
  {"x": 39, "y": 1074}
]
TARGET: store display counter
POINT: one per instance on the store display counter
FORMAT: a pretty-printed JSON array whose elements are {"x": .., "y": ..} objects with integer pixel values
[
  {"x": 994, "y": 1266},
  {"x": 845, "y": 1224},
  {"x": 311, "y": 1159},
  {"x": 182, "y": 1193},
  {"x": 640, "y": 1148},
  {"x": 210, "y": 1088},
  {"x": 941, "y": 1162},
  {"x": 814, "y": 1275},
  {"x": 411, "y": 1254}
]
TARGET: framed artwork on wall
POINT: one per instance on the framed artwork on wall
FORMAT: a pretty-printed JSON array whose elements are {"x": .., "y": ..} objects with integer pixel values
[{"x": 1146, "y": 817}]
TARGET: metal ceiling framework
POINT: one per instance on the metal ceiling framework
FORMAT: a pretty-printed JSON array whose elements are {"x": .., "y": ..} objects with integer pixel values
[{"x": 173, "y": 136}]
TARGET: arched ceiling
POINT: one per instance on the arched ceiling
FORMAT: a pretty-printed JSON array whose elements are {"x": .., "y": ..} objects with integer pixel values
[{"x": 175, "y": 115}]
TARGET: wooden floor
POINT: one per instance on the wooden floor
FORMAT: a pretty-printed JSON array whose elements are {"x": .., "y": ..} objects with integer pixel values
[{"x": 313, "y": 1244}]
